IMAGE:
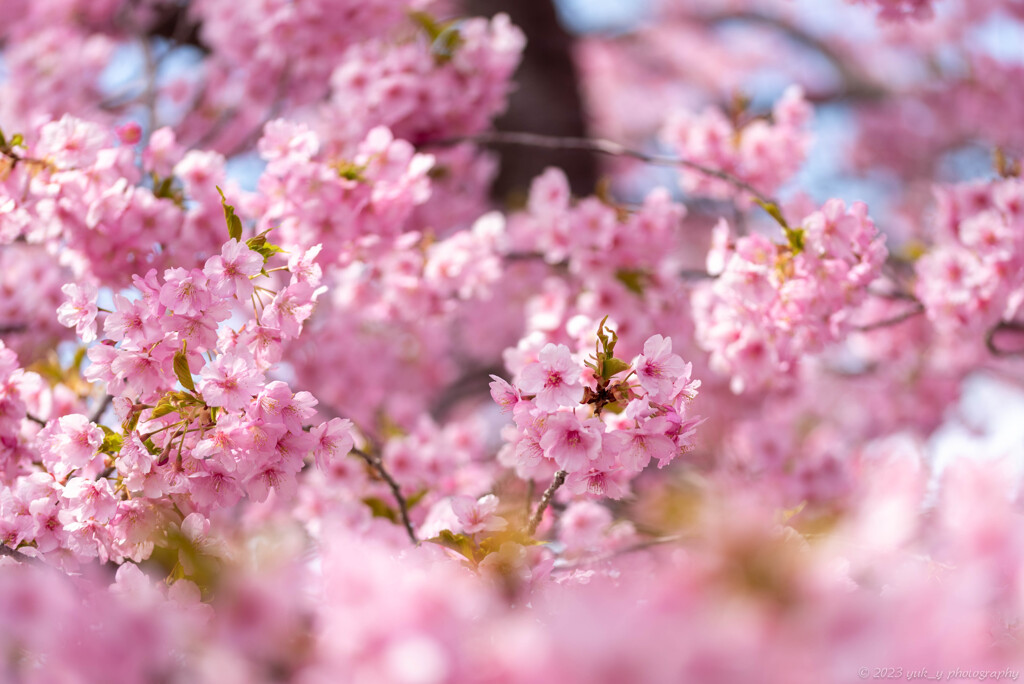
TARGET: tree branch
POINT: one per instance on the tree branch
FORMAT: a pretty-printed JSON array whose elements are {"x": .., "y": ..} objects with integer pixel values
[
  {"x": 1003, "y": 326},
  {"x": 403, "y": 507},
  {"x": 557, "y": 482},
  {"x": 149, "y": 94},
  {"x": 632, "y": 548},
  {"x": 915, "y": 310},
  {"x": 854, "y": 84},
  {"x": 546, "y": 98},
  {"x": 35, "y": 419},
  {"x": 606, "y": 147},
  {"x": 100, "y": 408},
  {"x": 18, "y": 555}
]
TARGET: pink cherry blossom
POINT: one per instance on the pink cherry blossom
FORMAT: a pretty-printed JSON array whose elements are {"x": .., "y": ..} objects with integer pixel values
[
  {"x": 478, "y": 515},
  {"x": 229, "y": 382},
  {"x": 553, "y": 378},
  {"x": 570, "y": 442},
  {"x": 233, "y": 269},
  {"x": 658, "y": 368},
  {"x": 332, "y": 440},
  {"x": 80, "y": 310},
  {"x": 185, "y": 292},
  {"x": 635, "y": 448}
]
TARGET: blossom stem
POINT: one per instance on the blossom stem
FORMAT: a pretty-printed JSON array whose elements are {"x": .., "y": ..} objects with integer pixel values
[
  {"x": 545, "y": 499},
  {"x": 396, "y": 491},
  {"x": 531, "y": 486}
]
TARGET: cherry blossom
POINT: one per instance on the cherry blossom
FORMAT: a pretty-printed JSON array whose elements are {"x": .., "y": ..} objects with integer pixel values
[
  {"x": 553, "y": 378},
  {"x": 289, "y": 388}
]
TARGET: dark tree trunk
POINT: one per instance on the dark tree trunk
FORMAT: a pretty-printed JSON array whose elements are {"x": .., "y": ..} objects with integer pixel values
[{"x": 547, "y": 99}]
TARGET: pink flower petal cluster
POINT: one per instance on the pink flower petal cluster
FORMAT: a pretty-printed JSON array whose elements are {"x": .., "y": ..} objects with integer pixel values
[
  {"x": 340, "y": 203},
  {"x": 478, "y": 515},
  {"x": 421, "y": 94},
  {"x": 85, "y": 194},
  {"x": 901, "y": 10},
  {"x": 761, "y": 153},
  {"x": 974, "y": 277},
  {"x": 554, "y": 429},
  {"x": 599, "y": 241},
  {"x": 771, "y": 304}
]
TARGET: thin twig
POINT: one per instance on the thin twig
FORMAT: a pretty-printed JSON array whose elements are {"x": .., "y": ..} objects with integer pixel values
[
  {"x": 35, "y": 419},
  {"x": 990, "y": 338},
  {"x": 18, "y": 555},
  {"x": 855, "y": 85},
  {"x": 98, "y": 413},
  {"x": 557, "y": 482},
  {"x": 471, "y": 383},
  {"x": 895, "y": 294},
  {"x": 13, "y": 328},
  {"x": 632, "y": 548},
  {"x": 916, "y": 310},
  {"x": 696, "y": 274},
  {"x": 149, "y": 94},
  {"x": 272, "y": 113},
  {"x": 403, "y": 507},
  {"x": 599, "y": 146},
  {"x": 531, "y": 486}
]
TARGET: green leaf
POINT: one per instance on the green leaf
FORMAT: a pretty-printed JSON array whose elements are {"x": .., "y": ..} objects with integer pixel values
[
  {"x": 445, "y": 38},
  {"x": 612, "y": 366},
  {"x": 234, "y": 223},
  {"x": 76, "y": 361},
  {"x": 164, "y": 407},
  {"x": 459, "y": 543},
  {"x": 181, "y": 369},
  {"x": 17, "y": 140},
  {"x": 260, "y": 245},
  {"x": 795, "y": 237},
  {"x": 111, "y": 443},
  {"x": 381, "y": 509},
  {"x": 415, "y": 498},
  {"x": 131, "y": 422},
  {"x": 351, "y": 171},
  {"x": 773, "y": 211},
  {"x": 164, "y": 189},
  {"x": 445, "y": 45},
  {"x": 633, "y": 279},
  {"x": 493, "y": 543},
  {"x": 426, "y": 22},
  {"x": 266, "y": 249}
]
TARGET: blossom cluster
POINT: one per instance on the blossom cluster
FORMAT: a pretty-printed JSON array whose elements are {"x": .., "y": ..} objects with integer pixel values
[
  {"x": 771, "y": 304},
  {"x": 762, "y": 153},
  {"x": 419, "y": 617},
  {"x": 269, "y": 455},
  {"x": 974, "y": 276},
  {"x": 305, "y": 40},
  {"x": 899, "y": 10},
  {"x": 201, "y": 444},
  {"x": 338, "y": 203},
  {"x": 591, "y": 422},
  {"x": 595, "y": 258},
  {"x": 447, "y": 85}
]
